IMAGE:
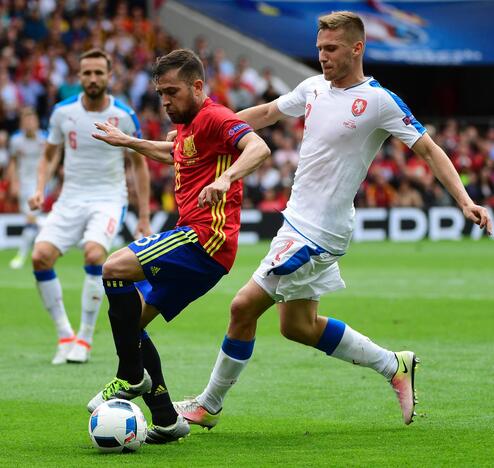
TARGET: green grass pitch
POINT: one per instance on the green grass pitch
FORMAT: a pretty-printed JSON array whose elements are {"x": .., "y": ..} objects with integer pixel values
[{"x": 293, "y": 406}]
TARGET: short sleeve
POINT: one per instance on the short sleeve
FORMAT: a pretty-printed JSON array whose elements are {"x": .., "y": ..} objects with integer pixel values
[
  {"x": 229, "y": 127},
  {"x": 55, "y": 134},
  {"x": 397, "y": 119},
  {"x": 294, "y": 102},
  {"x": 13, "y": 145},
  {"x": 233, "y": 130}
]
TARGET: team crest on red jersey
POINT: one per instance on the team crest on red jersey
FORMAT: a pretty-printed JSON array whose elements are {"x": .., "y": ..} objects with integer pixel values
[
  {"x": 358, "y": 107},
  {"x": 189, "y": 148}
]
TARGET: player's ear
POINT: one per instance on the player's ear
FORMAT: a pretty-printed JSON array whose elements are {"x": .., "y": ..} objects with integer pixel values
[
  {"x": 358, "y": 48},
  {"x": 198, "y": 86}
]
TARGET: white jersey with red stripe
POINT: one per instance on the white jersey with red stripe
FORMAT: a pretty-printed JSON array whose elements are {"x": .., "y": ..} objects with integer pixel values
[
  {"x": 93, "y": 170},
  {"x": 344, "y": 129}
]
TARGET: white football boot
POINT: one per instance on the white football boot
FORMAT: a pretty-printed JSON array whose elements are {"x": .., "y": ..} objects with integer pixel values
[
  {"x": 80, "y": 352},
  {"x": 63, "y": 349}
]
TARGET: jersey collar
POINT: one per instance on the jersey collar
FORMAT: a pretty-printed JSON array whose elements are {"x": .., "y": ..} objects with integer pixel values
[{"x": 367, "y": 78}]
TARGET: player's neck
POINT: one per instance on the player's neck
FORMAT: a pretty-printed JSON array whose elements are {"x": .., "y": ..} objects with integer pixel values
[
  {"x": 95, "y": 105},
  {"x": 350, "y": 80}
]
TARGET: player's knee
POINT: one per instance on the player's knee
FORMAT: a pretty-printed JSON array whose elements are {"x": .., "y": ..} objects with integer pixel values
[
  {"x": 94, "y": 256},
  {"x": 240, "y": 311},
  {"x": 293, "y": 332},
  {"x": 112, "y": 267},
  {"x": 42, "y": 259}
]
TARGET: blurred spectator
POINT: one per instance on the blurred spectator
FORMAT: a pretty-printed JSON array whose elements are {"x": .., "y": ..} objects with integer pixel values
[
  {"x": 379, "y": 193},
  {"x": 40, "y": 41},
  {"x": 240, "y": 96},
  {"x": 4, "y": 153},
  {"x": 407, "y": 195}
]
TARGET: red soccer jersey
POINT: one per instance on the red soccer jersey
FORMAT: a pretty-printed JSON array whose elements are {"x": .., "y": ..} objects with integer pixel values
[{"x": 203, "y": 150}]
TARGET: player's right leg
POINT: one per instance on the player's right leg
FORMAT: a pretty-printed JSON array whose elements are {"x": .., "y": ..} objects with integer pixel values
[
  {"x": 44, "y": 257},
  {"x": 247, "y": 306},
  {"x": 62, "y": 229},
  {"x": 120, "y": 272}
]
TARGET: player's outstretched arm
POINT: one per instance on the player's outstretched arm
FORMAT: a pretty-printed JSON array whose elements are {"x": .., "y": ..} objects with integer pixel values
[
  {"x": 444, "y": 170},
  {"x": 46, "y": 168},
  {"x": 157, "y": 150},
  {"x": 261, "y": 116},
  {"x": 141, "y": 177},
  {"x": 254, "y": 152}
]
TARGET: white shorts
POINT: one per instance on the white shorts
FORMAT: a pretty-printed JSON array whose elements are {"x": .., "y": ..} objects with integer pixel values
[
  {"x": 69, "y": 225},
  {"x": 296, "y": 268}
]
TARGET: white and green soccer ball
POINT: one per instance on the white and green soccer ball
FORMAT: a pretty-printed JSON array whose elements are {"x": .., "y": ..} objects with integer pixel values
[{"x": 117, "y": 426}]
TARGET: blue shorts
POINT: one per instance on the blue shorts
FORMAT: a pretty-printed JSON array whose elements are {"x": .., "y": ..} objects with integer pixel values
[{"x": 177, "y": 268}]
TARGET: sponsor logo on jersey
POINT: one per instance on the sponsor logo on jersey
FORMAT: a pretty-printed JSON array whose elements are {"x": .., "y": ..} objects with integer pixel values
[
  {"x": 350, "y": 124},
  {"x": 358, "y": 107},
  {"x": 189, "y": 148}
]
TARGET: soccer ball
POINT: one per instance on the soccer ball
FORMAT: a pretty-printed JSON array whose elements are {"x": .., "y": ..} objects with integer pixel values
[{"x": 117, "y": 426}]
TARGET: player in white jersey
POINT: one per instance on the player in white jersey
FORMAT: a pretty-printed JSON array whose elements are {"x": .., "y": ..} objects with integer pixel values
[
  {"x": 347, "y": 118},
  {"x": 26, "y": 148},
  {"x": 92, "y": 203}
]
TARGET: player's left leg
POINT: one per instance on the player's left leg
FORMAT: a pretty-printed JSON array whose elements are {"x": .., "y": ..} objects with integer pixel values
[
  {"x": 120, "y": 272},
  {"x": 300, "y": 322},
  {"x": 92, "y": 296},
  {"x": 167, "y": 425},
  {"x": 101, "y": 227}
]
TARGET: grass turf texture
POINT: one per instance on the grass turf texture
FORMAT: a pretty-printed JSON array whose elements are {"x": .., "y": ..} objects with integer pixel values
[{"x": 293, "y": 406}]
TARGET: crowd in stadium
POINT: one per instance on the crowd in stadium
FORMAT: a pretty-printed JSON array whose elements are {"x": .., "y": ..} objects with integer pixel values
[{"x": 40, "y": 42}]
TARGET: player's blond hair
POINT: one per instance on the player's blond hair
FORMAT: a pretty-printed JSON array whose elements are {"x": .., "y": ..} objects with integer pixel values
[{"x": 350, "y": 22}]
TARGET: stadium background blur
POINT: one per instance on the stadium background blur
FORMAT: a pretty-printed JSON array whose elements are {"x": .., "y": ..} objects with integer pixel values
[{"x": 40, "y": 42}]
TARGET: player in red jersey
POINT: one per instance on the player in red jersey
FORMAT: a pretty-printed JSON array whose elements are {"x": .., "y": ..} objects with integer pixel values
[{"x": 212, "y": 152}]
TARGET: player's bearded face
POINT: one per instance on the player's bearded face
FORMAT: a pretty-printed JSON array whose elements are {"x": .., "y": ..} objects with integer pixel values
[
  {"x": 184, "y": 109},
  {"x": 94, "y": 76},
  {"x": 178, "y": 98}
]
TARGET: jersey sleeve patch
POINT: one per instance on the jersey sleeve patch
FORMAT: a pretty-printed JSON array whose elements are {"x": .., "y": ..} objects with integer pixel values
[{"x": 238, "y": 131}]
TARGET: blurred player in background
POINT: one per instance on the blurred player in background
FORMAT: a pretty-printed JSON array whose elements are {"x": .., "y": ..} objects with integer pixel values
[
  {"x": 347, "y": 118},
  {"x": 92, "y": 203},
  {"x": 213, "y": 150},
  {"x": 26, "y": 147}
]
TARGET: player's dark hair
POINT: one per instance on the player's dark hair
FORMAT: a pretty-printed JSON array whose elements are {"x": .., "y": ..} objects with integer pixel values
[
  {"x": 185, "y": 60},
  {"x": 350, "y": 22},
  {"x": 96, "y": 53}
]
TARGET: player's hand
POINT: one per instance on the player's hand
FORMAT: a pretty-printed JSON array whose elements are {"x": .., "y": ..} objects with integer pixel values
[
  {"x": 143, "y": 228},
  {"x": 478, "y": 214},
  {"x": 213, "y": 193},
  {"x": 36, "y": 201},
  {"x": 170, "y": 136},
  {"x": 112, "y": 135}
]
